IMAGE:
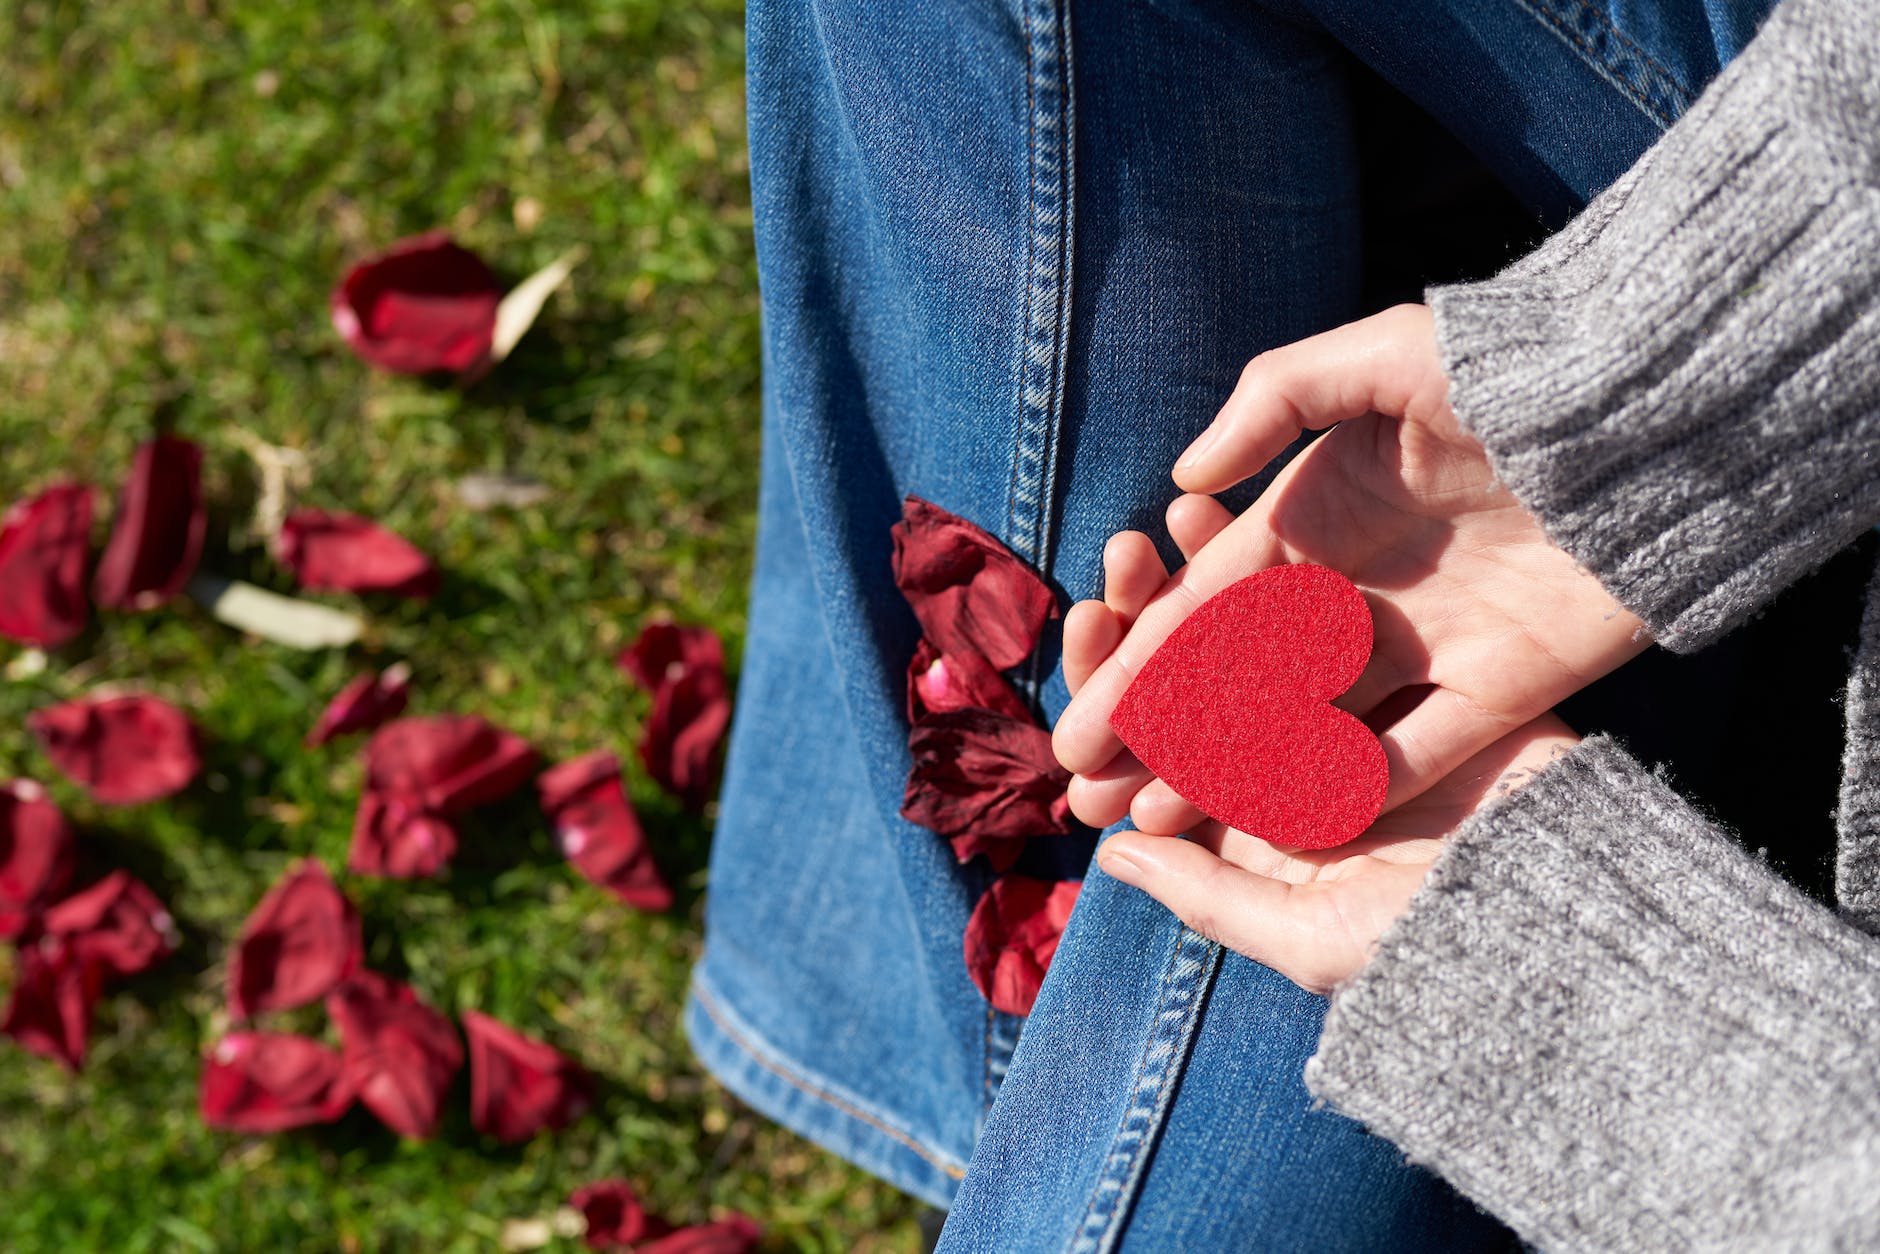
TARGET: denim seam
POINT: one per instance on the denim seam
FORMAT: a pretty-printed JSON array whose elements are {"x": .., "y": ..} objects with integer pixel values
[
  {"x": 1655, "y": 80},
  {"x": 720, "y": 1016},
  {"x": 1185, "y": 984}
]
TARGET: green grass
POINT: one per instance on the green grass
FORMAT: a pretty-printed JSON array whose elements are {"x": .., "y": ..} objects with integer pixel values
[{"x": 181, "y": 183}]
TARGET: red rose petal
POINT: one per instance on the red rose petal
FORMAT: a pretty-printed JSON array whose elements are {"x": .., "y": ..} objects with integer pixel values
[
  {"x": 400, "y": 1054},
  {"x": 270, "y": 1082},
  {"x": 939, "y": 683},
  {"x": 520, "y": 1086},
  {"x": 397, "y": 840},
  {"x": 1012, "y": 936},
  {"x": 45, "y": 543},
  {"x": 737, "y": 1234},
  {"x": 123, "y": 750},
  {"x": 684, "y": 669},
  {"x": 300, "y": 942},
  {"x": 328, "y": 550},
  {"x": 985, "y": 776},
  {"x": 447, "y": 763},
  {"x": 367, "y": 702},
  {"x": 156, "y": 539},
  {"x": 117, "y": 926},
  {"x": 425, "y": 304},
  {"x": 598, "y": 831},
  {"x": 49, "y": 1013},
  {"x": 665, "y": 651},
  {"x": 970, "y": 593},
  {"x": 36, "y": 851},
  {"x": 615, "y": 1217}
]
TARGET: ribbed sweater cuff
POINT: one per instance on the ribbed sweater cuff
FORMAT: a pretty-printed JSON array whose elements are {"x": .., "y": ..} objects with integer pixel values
[
  {"x": 1684, "y": 384},
  {"x": 1611, "y": 1027}
]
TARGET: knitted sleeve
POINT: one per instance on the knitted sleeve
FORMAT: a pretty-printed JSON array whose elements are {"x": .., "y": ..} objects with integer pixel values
[{"x": 1684, "y": 384}]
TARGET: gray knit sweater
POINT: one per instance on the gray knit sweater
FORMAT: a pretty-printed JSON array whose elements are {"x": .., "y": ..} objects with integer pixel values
[{"x": 1600, "y": 1018}]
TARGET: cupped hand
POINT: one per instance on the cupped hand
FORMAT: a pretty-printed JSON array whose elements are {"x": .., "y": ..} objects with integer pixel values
[{"x": 1482, "y": 624}]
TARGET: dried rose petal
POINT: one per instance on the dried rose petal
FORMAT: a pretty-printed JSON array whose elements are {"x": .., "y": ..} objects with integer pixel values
[
  {"x": 969, "y": 592},
  {"x": 520, "y": 1086},
  {"x": 156, "y": 539},
  {"x": 270, "y": 1082},
  {"x": 597, "y": 829},
  {"x": 684, "y": 669},
  {"x": 447, "y": 763},
  {"x": 367, "y": 702},
  {"x": 400, "y": 1054},
  {"x": 737, "y": 1234},
  {"x": 663, "y": 652},
  {"x": 116, "y": 926},
  {"x": 328, "y": 550},
  {"x": 986, "y": 776},
  {"x": 122, "y": 750},
  {"x": 939, "y": 683},
  {"x": 36, "y": 850},
  {"x": 422, "y": 305},
  {"x": 615, "y": 1218},
  {"x": 397, "y": 840},
  {"x": 1013, "y": 934},
  {"x": 45, "y": 543},
  {"x": 49, "y": 1013},
  {"x": 300, "y": 942}
]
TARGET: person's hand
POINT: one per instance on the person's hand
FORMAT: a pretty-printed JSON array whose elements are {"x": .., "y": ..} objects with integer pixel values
[{"x": 1482, "y": 624}]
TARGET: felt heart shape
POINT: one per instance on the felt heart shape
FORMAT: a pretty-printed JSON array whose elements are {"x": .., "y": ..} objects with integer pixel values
[{"x": 1231, "y": 711}]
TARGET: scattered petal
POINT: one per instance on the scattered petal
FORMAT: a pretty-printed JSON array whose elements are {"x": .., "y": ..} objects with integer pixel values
[
  {"x": 117, "y": 926},
  {"x": 400, "y": 1054},
  {"x": 985, "y": 776},
  {"x": 36, "y": 851},
  {"x": 684, "y": 669},
  {"x": 45, "y": 544},
  {"x": 296, "y": 624},
  {"x": 487, "y": 492},
  {"x": 737, "y": 1234},
  {"x": 520, "y": 1086},
  {"x": 970, "y": 593},
  {"x": 598, "y": 831},
  {"x": 270, "y": 1082},
  {"x": 615, "y": 1218},
  {"x": 156, "y": 539},
  {"x": 664, "y": 652},
  {"x": 122, "y": 750},
  {"x": 399, "y": 840},
  {"x": 332, "y": 551},
  {"x": 447, "y": 763},
  {"x": 367, "y": 702},
  {"x": 1013, "y": 934},
  {"x": 49, "y": 1013},
  {"x": 940, "y": 683},
  {"x": 517, "y": 311},
  {"x": 301, "y": 942},
  {"x": 425, "y": 304}
]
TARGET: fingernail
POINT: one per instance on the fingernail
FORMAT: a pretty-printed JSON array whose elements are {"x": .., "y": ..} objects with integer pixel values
[
  {"x": 1117, "y": 865},
  {"x": 1196, "y": 451}
]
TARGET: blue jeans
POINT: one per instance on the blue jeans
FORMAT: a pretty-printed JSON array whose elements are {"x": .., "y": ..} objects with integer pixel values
[{"x": 1013, "y": 254}]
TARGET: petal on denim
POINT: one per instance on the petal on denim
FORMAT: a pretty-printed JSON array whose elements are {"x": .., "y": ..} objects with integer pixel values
[
  {"x": 737, "y": 1234},
  {"x": 300, "y": 942},
  {"x": 400, "y": 1055},
  {"x": 425, "y": 304},
  {"x": 157, "y": 536},
  {"x": 270, "y": 1082},
  {"x": 598, "y": 831},
  {"x": 941, "y": 683},
  {"x": 36, "y": 854},
  {"x": 399, "y": 840},
  {"x": 970, "y": 593},
  {"x": 49, "y": 1013},
  {"x": 45, "y": 544},
  {"x": 122, "y": 750},
  {"x": 985, "y": 776},
  {"x": 367, "y": 702},
  {"x": 333, "y": 551},
  {"x": 1012, "y": 936},
  {"x": 520, "y": 1086},
  {"x": 615, "y": 1218},
  {"x": 118, "y": 926}
]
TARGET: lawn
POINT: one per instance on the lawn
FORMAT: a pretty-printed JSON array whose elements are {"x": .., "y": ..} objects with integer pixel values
[{"x": 181, "y": 182}]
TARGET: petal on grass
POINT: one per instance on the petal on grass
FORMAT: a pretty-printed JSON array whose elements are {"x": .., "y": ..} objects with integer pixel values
[
  {"x": 684, "y": 669},
  {"x": 598, "y": 831},
  {"x": 367, "y": 702},
  {"x": 284, "y": 620},
  {"x": 1012, "y": 936},
  {"x": 400, "y": 1054},
  {"x": 36, "y": 854},
  {"x": 116, "y": 926},
  {"x": 271, "y": 1081},
  {"x": 300, "y": 942},
  {"x": 45, "y": 545},
  {"x": 333, "y": 551},
  {"x": 520, "y": 1086},
  {"x": 517, "y": 311},
  {"x": 614, "y": 1215},
  {"x": 447, "y": 763},
  {"x": 737, "y": 1234},
  {"x": 425, "y": 304},
  {"x": 970, "y": 593},
  {"x": 122, "y": 750},
  {"x": 157, "y": 536},
  {"x": 399, "y": 840},
  {"x": 49, "y": 1013}
]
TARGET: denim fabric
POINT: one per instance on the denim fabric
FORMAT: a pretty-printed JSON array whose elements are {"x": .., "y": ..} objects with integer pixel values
[{"x": 1013, "y": 254}]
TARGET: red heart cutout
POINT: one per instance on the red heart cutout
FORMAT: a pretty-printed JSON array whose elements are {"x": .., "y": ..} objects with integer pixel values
[{"x": 1231, "y": 710}]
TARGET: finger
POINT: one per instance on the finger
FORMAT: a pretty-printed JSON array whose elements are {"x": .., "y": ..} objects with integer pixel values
[
  {"x": 1101, "y": 799},
  {"x": 1446, "y": 729},
  {"x": 1161, "y": 811},
  {"x": 1091, "y": 633},
  {"x": 1386, "y": 363},
  {"x": 1132, "y": 574},
  {"x": 1399, "y": 659},
  {"x": 1193, "y": 520}
]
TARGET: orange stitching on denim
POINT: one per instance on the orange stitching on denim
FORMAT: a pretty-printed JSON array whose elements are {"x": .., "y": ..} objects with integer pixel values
[{"x": 737, "y": 1038}]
